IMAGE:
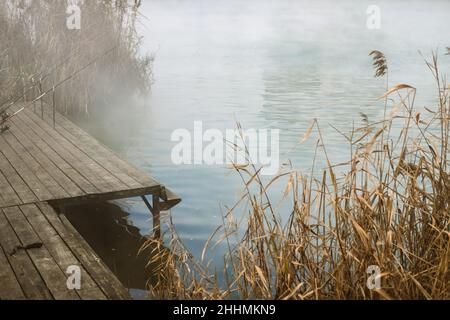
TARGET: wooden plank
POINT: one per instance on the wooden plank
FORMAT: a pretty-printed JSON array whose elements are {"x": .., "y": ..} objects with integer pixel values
[
  {"x": 65, "y": 125},
  {"x": 60, "y": 252},
  {"x": 170, "y": 199},
  {"x": 43, "y": 159},
  {"x": 7, "y": 194},
  {"x": 9, "y": 286},
  {"x": 104, "y": 277},
  {"x": 70, "y": 155},
  {"x": 73, "y": 133},
  {"x": 59, "y": 161},
  {"x": 22, "y": 169},
  {"x": 28, "y": 277},
  {"x": 95, "y": 173},
  {"x": 2, "y": 202},
  {"x": 152, "y": 188},
  {"x": 106, "y": 280},
  {"x": 20, "y": 187},
  {"x": 54, "y": 278},
  {"x": 96, "y": 152},
  {"x": 44, "y": 177},
  {"x": 55, "y": 164},
  {"x": 99, "y": 153},
  {"x": 104, "y": 196}
]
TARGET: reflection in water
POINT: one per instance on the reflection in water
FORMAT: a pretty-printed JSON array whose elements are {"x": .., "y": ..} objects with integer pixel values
[{"x": 106, "y": 228}]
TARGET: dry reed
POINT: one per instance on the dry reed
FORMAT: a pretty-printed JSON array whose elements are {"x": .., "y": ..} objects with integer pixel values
[
  {"x": 38, "y": 51},
  {"x": 389, "y": 207}
]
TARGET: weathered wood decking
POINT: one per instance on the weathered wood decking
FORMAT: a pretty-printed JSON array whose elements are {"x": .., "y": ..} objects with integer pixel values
[
  {"x": 64, "y": 165},
  {"x": 42, "y": 167},
  {"x": 39, "y": 272}
]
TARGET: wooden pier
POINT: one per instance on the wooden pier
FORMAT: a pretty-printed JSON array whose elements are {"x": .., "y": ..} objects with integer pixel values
[{"x": 47, "y": 163}]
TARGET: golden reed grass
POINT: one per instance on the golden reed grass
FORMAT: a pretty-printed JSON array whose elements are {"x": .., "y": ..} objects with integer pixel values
[{"x": 389, "y": 207}]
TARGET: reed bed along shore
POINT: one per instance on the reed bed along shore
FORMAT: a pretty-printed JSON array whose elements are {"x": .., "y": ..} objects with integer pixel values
[
  {"x": 102, "y": 60},
  {"x": 386, "y": 207}
]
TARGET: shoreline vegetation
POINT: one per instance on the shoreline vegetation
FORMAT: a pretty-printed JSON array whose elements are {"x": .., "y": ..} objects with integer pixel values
[
  {"x": 38, "y": 54},
  {"x": 386, "y": 209},
  {"x": 387, "y": 206}
]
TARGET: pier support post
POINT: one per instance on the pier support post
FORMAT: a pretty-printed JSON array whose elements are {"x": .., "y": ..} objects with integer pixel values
[
  {"x": 156, "y": 217},
  {"x": 155, "y": 209}
]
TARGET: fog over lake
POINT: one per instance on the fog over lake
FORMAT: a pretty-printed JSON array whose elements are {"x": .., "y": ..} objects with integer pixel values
[{"x": 268, "y": 64}]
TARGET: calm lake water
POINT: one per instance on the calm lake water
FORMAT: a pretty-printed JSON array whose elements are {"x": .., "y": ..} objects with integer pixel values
[{"x": 268, "y": 64}]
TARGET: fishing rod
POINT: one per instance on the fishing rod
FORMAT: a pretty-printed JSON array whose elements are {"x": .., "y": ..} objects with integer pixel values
[{"x": 8, "y": 117}]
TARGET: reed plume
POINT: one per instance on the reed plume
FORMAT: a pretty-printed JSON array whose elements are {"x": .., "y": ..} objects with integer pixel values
[{"x": 379, "y": 63}]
